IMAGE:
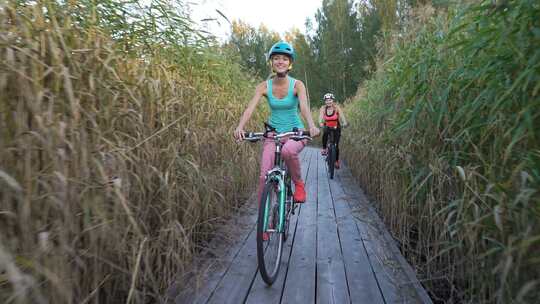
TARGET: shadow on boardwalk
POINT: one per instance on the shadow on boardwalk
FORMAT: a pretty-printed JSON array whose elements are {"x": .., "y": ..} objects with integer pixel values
[{"x": 338, "y": 252}]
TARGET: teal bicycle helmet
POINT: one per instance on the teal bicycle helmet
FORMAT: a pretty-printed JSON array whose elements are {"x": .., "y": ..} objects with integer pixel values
[{"x": 282, "y": 47}]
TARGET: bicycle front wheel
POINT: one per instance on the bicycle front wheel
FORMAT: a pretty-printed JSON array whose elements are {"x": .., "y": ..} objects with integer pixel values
[
  {"x": 331, "y": 159},
  {"x": 269, "y": 240}
]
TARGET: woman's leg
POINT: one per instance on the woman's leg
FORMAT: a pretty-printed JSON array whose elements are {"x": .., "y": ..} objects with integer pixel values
[
  {"x": 267, "y": 162},
  {"x": 290, "y": 152},
  {"x": 324, "y": 138}
]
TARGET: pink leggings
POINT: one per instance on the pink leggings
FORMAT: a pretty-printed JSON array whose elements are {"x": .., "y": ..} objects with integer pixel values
[{"x": 289, "y": 153}]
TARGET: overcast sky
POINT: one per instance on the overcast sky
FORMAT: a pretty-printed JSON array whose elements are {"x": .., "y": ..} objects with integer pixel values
[{"x": 278, "y": 15}]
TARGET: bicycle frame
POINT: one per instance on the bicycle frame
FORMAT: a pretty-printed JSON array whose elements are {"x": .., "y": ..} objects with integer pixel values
[
  {"x": 331, "y": 135},
  {"x": 278, "y": 174}
]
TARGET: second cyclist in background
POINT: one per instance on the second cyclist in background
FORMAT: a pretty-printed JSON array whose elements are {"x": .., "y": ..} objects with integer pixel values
[{"x": 332, "y": 118}]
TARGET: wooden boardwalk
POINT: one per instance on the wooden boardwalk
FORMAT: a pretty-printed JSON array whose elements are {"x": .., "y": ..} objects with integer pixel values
[{"x": 338, "y": 252}]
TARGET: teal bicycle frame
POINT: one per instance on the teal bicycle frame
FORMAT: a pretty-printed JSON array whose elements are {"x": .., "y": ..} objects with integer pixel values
[{"x": 279, "y": 175}]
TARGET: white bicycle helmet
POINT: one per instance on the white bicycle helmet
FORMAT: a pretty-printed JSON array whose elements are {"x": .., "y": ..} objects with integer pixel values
[{"x": 329, "y": 96}]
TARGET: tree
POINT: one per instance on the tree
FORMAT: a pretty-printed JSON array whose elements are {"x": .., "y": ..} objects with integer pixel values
[
  {"x": 337, "y": 53},
  {"x": 252, "y": 45},
  {"x": 304, "y": 67},
  {"x": 333, "y": 57}
]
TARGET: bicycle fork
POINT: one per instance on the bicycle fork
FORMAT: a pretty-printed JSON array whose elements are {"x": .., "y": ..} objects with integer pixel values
[{"x": 282, "y": 193}]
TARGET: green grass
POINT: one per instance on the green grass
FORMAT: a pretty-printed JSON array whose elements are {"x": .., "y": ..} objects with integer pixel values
[{"x": 445, "y": 137}]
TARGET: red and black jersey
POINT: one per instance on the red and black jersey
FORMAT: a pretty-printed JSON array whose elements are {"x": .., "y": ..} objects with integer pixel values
[{"x": 331, "y": 119}]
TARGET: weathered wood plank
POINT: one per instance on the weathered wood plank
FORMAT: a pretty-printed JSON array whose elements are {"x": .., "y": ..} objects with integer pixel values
[
  {"x": 332, "y": 286},
  {"x": 363, "y": 287},
  {"x": 214, "y": 261},
  {"x": 300, "y": 281},
  {"x": 340, "y": 252},
  {"x": 234, "y": 286},
  {"x": 382, "y": 264},
  {"x": 236, "y": 283},
  {"x": 398, "y": 284},
  {"x": 260, "y": 293}
]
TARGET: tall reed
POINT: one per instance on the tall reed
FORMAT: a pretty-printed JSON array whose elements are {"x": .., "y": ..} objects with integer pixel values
[
  {"x": 116, "y": 154},
  {"x": 445, "y": 137}
]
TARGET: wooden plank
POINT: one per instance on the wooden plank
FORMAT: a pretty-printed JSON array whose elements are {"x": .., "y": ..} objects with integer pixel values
[
  {"x": 332, "y": 286},
  {"x": 236, "y": 283},
  {"x": 300, "y": 281},
  {"x": 396, "y": 285},
  {"x": 240, "y": 274},
  {"x": 340, "y": 252},
  {"x": 213, "y": 262},
  {"x": 363, "y": 286},
  {"x": 380, "y": 261},
  {"x": 234, "y": 286},
  {"x": 260, "y": 293}
]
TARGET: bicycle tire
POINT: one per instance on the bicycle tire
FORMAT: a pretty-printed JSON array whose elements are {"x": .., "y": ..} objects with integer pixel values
[
  {"x": 331, "y": 159},
  {"x": 269, "y": 252}
]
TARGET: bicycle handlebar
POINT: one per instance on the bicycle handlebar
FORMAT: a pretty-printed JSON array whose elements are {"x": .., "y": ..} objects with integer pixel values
[{"x": 256, "y": 136}]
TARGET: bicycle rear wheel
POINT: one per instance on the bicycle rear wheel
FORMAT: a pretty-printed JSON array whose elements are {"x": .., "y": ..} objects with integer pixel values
[
  {"x": 269, "y": 240},
  {"x": 331, "y": 159}
]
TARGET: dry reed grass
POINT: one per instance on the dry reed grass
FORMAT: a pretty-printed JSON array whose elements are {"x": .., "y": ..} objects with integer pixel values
[{"x": 114, "y": 165}]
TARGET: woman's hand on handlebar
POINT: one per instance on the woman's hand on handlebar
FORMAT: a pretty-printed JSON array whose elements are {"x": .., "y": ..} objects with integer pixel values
[
  {"x": 314, "y": 131},
  {"x": 239, "y": 134}
]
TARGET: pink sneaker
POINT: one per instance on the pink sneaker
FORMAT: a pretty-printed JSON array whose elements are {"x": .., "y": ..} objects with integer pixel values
[{"x": 299, "y": 192}]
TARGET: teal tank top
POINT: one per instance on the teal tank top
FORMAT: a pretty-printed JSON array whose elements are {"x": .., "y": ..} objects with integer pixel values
[{"x": 284, "y": 112}]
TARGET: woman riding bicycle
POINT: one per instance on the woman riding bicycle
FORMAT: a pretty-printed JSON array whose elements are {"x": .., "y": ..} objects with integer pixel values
[
  {"x": 331, "y": 118},
  {"x": 285, "y": 95}
]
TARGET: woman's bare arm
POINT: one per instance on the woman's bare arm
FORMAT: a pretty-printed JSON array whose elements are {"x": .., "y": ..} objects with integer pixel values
[{"x": 259, "y": 92}]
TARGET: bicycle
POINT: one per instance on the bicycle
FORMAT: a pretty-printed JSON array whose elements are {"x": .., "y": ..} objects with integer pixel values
[
  {"x": 331, "y": 155},
  {"x": 275, "y": 207}
]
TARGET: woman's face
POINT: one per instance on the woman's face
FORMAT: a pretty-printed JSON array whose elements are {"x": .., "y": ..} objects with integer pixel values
[
  {"x": 280, "y": 63},
  {"x": 329, "y": 101}
]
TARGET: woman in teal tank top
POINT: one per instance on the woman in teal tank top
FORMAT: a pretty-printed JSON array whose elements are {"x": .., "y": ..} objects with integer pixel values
[{"x": 287, "y": 99}]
